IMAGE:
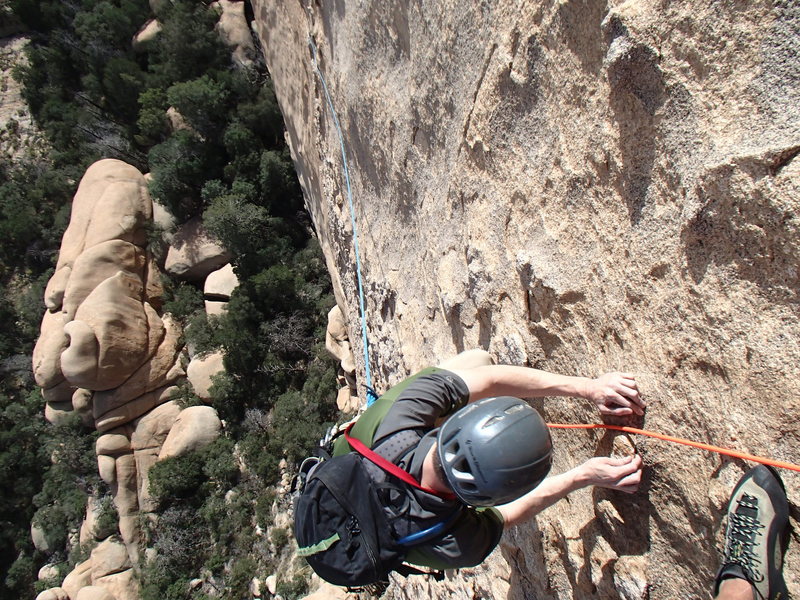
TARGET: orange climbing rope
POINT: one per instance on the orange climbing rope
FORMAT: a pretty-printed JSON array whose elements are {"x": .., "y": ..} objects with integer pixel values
[{"x": 676, "y": 440}]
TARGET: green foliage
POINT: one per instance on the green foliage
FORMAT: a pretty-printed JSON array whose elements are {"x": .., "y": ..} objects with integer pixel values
[
  {"x": 202, "y": 333},
  {"x": 238, "y": 583},
  {"x": 179, "y": 477},
  {"x": 179, "y": 165},
  {"x": 67, "y": 481},
  {"x": 182, "y": 300},
  {"x": 94, "y": 97},
  {"x": 21, "y": 452},
  {"x": 203, "y": 102},
  {"x": 152, "y": 121},
  {"x": 108, "y": 518},
  {"x": 292, "y": 589}
]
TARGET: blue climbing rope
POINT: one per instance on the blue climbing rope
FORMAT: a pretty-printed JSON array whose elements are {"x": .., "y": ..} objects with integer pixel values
[{"x": 371, "y": 395}]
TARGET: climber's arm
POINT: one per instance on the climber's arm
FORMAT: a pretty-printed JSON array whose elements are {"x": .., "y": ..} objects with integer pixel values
[
  {"x": 613, "y": 393},
  {"x": 623, "y": 474}
]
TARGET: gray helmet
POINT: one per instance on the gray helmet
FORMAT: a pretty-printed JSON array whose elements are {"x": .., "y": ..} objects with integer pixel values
[{"x": 494, "y": 450}]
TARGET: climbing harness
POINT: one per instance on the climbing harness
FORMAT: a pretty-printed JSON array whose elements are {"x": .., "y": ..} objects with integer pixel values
[
  {"x": 668, "y": 438},
  {"x": 371, "y": 394}
]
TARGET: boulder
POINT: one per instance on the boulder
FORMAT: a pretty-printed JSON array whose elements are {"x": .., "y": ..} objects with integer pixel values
[
  {"x": 90, "y": 530},
  {"x": 94, "y": 592},
  {"x": 137, "y": 407},
  {"x": 51, "y": 343},
  {"x": 200, "y": 371},
  {"x": 272, "y": 584},
  {"x": 111, "y": 203},
  {"x": 220, "y": 284},
  {"x": 111, "y": 335},
  {"x": 82, "y": 404},
  {"x": 78, "y": 578},
  {"x": 146, "y": 35},
  {"x": 159, "y": 370},
  {"x": 177, "y": 121},
  {"x": 193, "y": 253},
  {"x": 57, "y": 413},
  {"x": 235, "y": 31},
  {"x": 148, "y": 437},
  {"x": 163, "y": 219},
  {"x": 40, "y": 540},
  {"x": 55, "y": 593},
  {"x": 48, "y": 572},
  {"x": 337, "y": 325},
  {"x": 96, "y": 264},
  {"x": 61, "y": 393},
  {"x": 195, "y": 428},
  {"x": 120, "y": 586},
  {"x": 107, "y": 469},
  {"x": 215, "y": 307},
  {"x": 126, "y": 497},
  {"x": 114, "y": 443},
  {"x": 108, "y": 557},
  {"x": 347, "y": 400}
]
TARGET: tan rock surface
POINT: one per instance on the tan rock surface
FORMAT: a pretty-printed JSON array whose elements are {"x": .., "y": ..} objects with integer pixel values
[
  {"x": 146, "y": 35},
  {"x": 56, "y": 593},
  {"x": 195, "y": 428},
  {"x": 94, "y": 592},
  {"x": 193, "y": 254},
  {"x": 220, "y": 284},
  {"x": 47, "y": 353},
  {"x": 147, "y": 439},
  {"x": 104, "y": 336},
  {"x": 111, "y": 203},
  {"x": 78, "y": 578},
  {"x": 156, "y": 372},
  {"x": 135, "y": 408},
  {"x": 235, "y": 31},
  {"x": 112, "y": 334},
  {"x": 201, "y": 370},
  {"x": 108, "y": 557},
  {"x": 215, "y": 308},
  {"x": 95, "y": 265},
  {"x": 57, "y": 412},
  {"x": 582, "y": 187},
  {"x": 121, "y": 586}
]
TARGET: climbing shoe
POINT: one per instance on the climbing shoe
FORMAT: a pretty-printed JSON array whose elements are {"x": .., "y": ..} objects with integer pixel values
[{"x": 757, "y": 534}]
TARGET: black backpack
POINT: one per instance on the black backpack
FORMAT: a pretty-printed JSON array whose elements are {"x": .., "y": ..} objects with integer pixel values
[{"x": 346, "y": 517}]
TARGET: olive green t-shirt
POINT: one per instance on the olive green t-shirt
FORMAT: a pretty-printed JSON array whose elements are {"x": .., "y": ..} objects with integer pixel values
[{"x": 414, "y": 405}]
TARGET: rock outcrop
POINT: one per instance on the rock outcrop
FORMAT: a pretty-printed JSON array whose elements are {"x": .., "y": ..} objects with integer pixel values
[
  {"x": 193, "y": 254},
  {"x": 337, "y": 342},
  {"x": 582, "y": 187},
  {"x": 106, "y": 352}
]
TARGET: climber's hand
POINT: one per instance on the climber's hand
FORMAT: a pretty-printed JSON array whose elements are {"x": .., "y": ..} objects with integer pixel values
[
  {"x": 615, "y": 394},
  {"x": 623, "y": 474}
]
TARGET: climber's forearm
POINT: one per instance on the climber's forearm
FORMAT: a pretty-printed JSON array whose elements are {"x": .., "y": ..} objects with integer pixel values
[
  {"x": 547, "y": 493},
  {"x": 522, "y": 382},
  {"x": 612, "y": 393}
]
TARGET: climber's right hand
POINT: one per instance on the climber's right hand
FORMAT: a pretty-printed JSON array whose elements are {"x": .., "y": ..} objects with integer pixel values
[{"x": 623, "y": 474}]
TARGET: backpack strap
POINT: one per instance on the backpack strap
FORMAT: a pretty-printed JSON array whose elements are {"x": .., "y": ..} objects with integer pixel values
[{"x": 390, "y": 468}]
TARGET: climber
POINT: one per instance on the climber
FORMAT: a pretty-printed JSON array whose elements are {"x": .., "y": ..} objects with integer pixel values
[
  {"x": 499, "y": 477},
  {"x": 755, "y": 539}
]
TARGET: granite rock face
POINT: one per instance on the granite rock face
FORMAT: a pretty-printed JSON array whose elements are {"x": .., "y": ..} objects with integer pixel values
[{"x": 581, "y": 186}]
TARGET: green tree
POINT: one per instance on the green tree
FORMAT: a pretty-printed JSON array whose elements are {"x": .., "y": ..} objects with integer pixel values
[{"x": 203, "y": 102}]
